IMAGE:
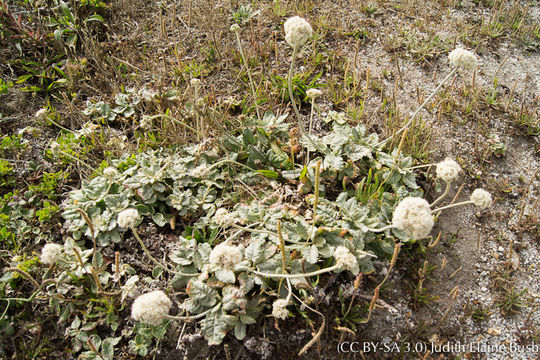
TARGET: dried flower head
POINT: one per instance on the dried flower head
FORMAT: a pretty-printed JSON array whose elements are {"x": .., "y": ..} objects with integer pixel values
[
  {"x": 297, "y": 31},
  {"x": 41, "y": 113},
  {"x": 55, "y": 148},
  {"x": 448, "y": 170},
  {"x": 462, "y": 58},
  {"x": 151, "y": 308},
  {"x": 50, "y": 254},
  {"x": 225, "y": 256},
  {"x": 195, "y": 82},
  {"x": 413, "y": 215},
  {"x": 345, "y": 260},
  {"x": 313, "y": 93},
  {"x": 234, "y": 27},
  {"x": 128, "y": 218},
  {"x": 279, "y": 309},
  {"x": 481, "y": 198}
]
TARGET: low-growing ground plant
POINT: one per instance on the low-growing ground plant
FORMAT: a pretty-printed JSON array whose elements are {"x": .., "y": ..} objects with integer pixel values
[{"x": 242, "y": 220}]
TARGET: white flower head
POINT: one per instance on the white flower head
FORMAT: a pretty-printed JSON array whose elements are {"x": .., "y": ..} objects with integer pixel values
[
  {"x": 146, "y": 122},
  {"x": 481, "y": 198},
  {"x": 110, "y": 172},
  {"x": 234, "y": 27},
  {"x": 448, "y": 170},
  {"x": 41, "y": 113},
  {"x": 225, "y": 256},
  {"x": 50, "y": 254},
  {"x": 223, "y": 217},
  {"x": 151, "y": 308},
  {"x": 279, "y": 309},
  {"x": 128, "y": 218},
  {"x": 313, "y": 93},
  {"x": 462, "y": 58},
  {"x": 413, "y": 215},
  {"x": 200, "y": 171},
  {"x": 345, "y": 260},
  {"x": 55, "y": 148},
  {"x": 297, "y": 31},
  {"x": 195, "y": 82}
]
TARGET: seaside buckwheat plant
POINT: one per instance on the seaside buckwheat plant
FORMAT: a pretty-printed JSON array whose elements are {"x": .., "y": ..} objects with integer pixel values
[
  {"x": 481, "y": 198},
  {"x": 413, "y": 216},
  {"x": 151, "y": 308},
  {"x": 461, "y": 58},
  {"x": 313, "y": 93},
  {"x": 279, "y": 309},
  {"x": 51, "y": 254},
  {"x": 297, "y": 31},
  {"x": 128, "y": 218},
  {"x": 448, "y": 170},
  {"x": 237, "y": 233},
  {"x": 345, "y": 260}
]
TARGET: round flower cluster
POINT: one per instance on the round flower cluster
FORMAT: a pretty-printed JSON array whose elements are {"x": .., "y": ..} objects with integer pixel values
[
  {"x": 344, "y": 259},
  {"x": 297, "y": 31},
  {"x": 151, "y": 308},
  {"x": 109, "y": 172},
  {"x": 225, "y": 256},
  {"x": 41, "y": 113},
  {"x": 55, "y": 148},
  {"x": 195, "y": 82},
  {"x": 234, "y": 28},
  {"x": 128, "y": 218},
  {"x": 50, "y": 254},
  {"x": 279, "y": 309},
  {"x": 448, "y": 170},
  {"x": 481, "y": 198},
  {"x": 223, "y": 218},
  {"x": 413, "y": 215},
  {"x": 146, "y": 122},
  {"x": 462, "y": 58},
  {"x": 200, "y": 171},
  {"x": 313, "y": 93}
]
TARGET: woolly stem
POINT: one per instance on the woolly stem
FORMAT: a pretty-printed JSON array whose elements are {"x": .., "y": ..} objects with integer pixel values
[
  {"x": 419, "y": 166},
  {"x": 293, "y": 102},
  {"x": 442, "y": 196},
  {"x": 187, "y": 318},
  {"x": 452, "y": 205},
  {"x": 249, "y": 74},
  {"x": 316, "y": 200},
  {"x": 452, "y": 73},
  {"x": 282, "y": 247},
  {"x": 295, "y": 276},
  {"x": 310, "y": 125},
  {"x": 387, "y": 227},
  {"x": 288, "y": 298}
]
